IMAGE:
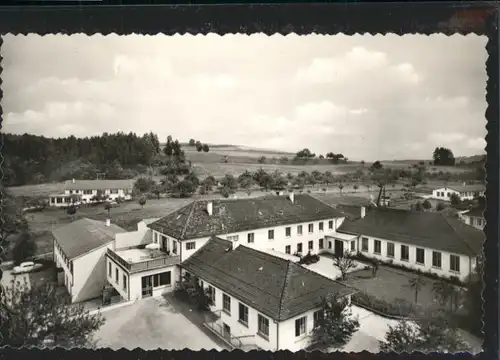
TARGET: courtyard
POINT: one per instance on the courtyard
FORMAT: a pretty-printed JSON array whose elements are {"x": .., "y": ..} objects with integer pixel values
[{"x": 151, "y": 324}]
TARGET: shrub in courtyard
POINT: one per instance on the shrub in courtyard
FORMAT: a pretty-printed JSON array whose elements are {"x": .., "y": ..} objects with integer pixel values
[
  {"x": 432, "y": 332},
  {"x": 396, "y": 308},
  {"x": 337, "y": 325},
  {"x": 309, "y": 259},
  {"x": 189, "y": 289},
  {"x": 440, "y": 207},
  {"x": 344, "y": 263},
  {"x": 142, "y": 201}
]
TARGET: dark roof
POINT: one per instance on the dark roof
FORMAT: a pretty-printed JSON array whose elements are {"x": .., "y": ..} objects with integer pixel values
[
  {"x": 276, "y": 287},
  {"x": 351, "y": 212},
  {"x": 99, "y": 184},
  {"x": 235, "y": 215},
  {"x": 84, "y": 235},
  {"x": 349, "y": 200},
  {"x": 475, "y": 212},
  {"x": 427, "y": 229}
]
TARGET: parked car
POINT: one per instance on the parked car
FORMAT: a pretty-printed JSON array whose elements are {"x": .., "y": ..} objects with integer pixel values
[{"x": 26, "y": 267}]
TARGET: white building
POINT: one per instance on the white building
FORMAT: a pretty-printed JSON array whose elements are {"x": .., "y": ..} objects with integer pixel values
[
  {"x": 260, "y": 301},
  {"x": 474, "y": 217},
  {"x": 137, "y": 269},
  {"x": 427, "y": 241},
  {"x": 85, "y": 191},
  {"x": 79, "y": 249},
  {"x": 288, "y": 224},
  {"x": 464, "y": 192}
]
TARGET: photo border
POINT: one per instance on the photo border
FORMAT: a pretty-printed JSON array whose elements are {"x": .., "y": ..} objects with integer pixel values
[{"x": 350, "y": 18}]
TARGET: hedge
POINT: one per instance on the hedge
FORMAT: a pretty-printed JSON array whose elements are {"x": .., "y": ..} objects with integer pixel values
[{"x": 399, "y": 308}]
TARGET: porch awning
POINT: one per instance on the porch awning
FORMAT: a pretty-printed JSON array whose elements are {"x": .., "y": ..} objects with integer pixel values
[{"x": 343, "y": 237}]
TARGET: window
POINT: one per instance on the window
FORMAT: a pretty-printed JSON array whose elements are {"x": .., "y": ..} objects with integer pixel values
[
  {"x": 251, "y": 238},
  {"x": 87, "y": 192},
  {"x": 377, "y": 246},
  {"x": 299, "y": 229},
  {"x": 243, "y": 314},
  {"x": 162, "y": 279},
  {"x": 330, "y": 224},
  {"x": 310, "y": 245},
  {"x": 311, "y": 228},
  {"x": 390, "y": 249},
  {"x": 300, "y": 326},
  {"x": 233, "y": 238},
  {"x": 321, "y": 243},
  {"x": 364, "y": 244},
  {"x": 288, "y": 249},
  {"x": 226, "y": 304},
  {"x": 299, "y": 248},
  {"x": 156, "y": 237},
  {"x": 263, "y": 326},
  {"x": 317, "y": 317},
  {"x": 448, "y": 194},
  {"x": 455, "y": 263},
  {"x": 353, "y": 245},
  {"x": 191, "y": 245},
  {"x": 211, "y": 292},
  {"x": 436, "y": 259},
  {"x": 321, "y": 226},
  {"x": 270, "y": 234},
  {"x": 405, "y": 253},
  {"x": 174, "y": 247},
  {"x": 420, "y": 256},
  {"x": 124, "y": 282},
  {"x": 288, "y": 231},
  {"x": 116, "y": 275},
  {"x": 109, "y": 269},
  {"x": 114, "y": 191},
  {"x": 329, "y": 244}
]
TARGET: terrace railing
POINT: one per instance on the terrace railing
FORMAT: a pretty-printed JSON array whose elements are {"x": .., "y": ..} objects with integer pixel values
[
  {"x": 138, "y": 266},
  {"x": 245, "y": 342}
]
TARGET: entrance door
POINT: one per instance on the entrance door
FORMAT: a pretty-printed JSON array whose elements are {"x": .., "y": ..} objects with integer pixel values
[
  {"x": 339, "y": 248},
  {"x": 164, "y": 244},
  {"x": 147, "y": 286},
  {"x": 227, "y": 331}
]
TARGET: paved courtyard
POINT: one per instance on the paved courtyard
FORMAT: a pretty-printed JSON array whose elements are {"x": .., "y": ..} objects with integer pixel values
[
  {"x": 151, "y": 324},
  {"x": 326, "y": 268}
]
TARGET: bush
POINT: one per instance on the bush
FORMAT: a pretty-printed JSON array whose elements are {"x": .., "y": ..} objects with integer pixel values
[
  {"x": 397, "y": 308},
  {"x": 309, "y": 259}
]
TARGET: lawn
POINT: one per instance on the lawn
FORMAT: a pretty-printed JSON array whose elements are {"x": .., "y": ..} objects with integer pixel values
[{"x": 390, "y": 284}]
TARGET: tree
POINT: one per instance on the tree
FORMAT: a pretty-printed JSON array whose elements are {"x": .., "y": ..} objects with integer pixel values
[
  {"x": 418, "y": 206},
  {"x": 262, "y": 160},
  {"x": 321, "y": 157},
  {"x": 192, "y": 142},
  {"x": 208, "y": 183},
  {"x": 107, "y": 207},
  {"x": 377, "y": 165},
  {"x": 277, "y": 182},
  {"x": 184, "y": 189},
  {"x": 142, "y": 201},
  {"x": 375, "y": 267},
  {"x": 430, "y": 332},
  {"x": 455, "y": 199},
  {"x": 440, "y": 206},
  {"x": 143, "y": 185},
  {"x": 245, "y": 180},
  {"x": 427, "y": 205},
  {"x": 355, "y": 187},
  {"x": 446, "y": 293},
  {"x": 206, "y": 148},
  {"x": 199, "y": 146},
  {"x": 340, "y": 186},
  {"x": 305, "y": 154},
  {"x": 344, "y": 263},
  {"x": 416, "y": 284},
  {"x": 38, "y": 315},
  {"x": 24, "y": 248},
  {"x": 443, "y": 156},
  {"x": 336, "y": 325},
  {"x": 71, "y": 210},
  {"x": 193, "y": 178}
]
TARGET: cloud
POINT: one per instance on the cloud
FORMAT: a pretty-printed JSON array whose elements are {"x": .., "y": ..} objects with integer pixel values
[{"x": 369, "y": 97}]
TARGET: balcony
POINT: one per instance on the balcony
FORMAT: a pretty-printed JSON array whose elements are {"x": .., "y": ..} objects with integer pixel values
[{"x": 137, "y": 260}]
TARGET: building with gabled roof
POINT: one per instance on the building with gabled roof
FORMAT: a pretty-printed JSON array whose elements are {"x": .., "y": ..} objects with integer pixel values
[
  {"x": 428, "y": 241},
  {"x": 464, "y": 192},
  {"x": 289, "y": 224},
  {"x": 268, "y": 301},
  {"x": 79, "y": 249}
]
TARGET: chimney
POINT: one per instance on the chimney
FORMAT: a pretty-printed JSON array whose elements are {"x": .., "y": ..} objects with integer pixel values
[
  {"x": 363, "y": 212},
  {"x": 108, "y": 222},
  {"x": 210, "y": 208},
  {"x": 291, "y": 196},
  {"x": 73, "y": 181}
]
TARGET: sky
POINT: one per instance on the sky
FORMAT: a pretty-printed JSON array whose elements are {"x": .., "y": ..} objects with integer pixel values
[{"x": 367, "y": 97}]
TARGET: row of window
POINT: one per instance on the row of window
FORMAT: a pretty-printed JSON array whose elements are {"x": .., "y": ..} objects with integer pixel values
[
  {"x": 301, "y": 323},
  {"x": 405, "y": 254},
  {"x": 117, "y": 276},
  {"x": 90, "y": 192},
  {"x": 68, "y": 263}
]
